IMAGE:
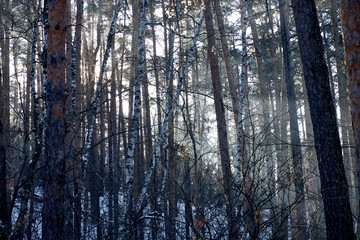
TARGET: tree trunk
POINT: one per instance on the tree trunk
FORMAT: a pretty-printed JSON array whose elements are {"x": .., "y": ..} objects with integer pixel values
[
  {"x": 343, "y": 100},
  {"x": 162, "y": 136},
  {"x": 351, "y": 25},
  {"x": 78, "y": 100},
  {"x": 300, "y": 222},
  {"x": 315, "y": 207},
  {"x": 153, "y": 188},
  {"x": 334, "y": 189},
  {"x": 130, "y": 216},
  {"x": 29, "y": 179},
  {"x": 221, "y": 122},
  {"x": 69, "y": 119},
  {"x": 4, "y": 120},
  {"x": 172, "y": 161},
  {"x": 54, "y": 179},
  {"x": 266, "y": 128},
  {"x": 233, "y": 87}
]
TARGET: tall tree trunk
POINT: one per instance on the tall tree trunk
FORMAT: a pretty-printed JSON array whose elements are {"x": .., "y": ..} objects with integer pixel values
[
  {"x": 122, "y": 126},
  {"x": 351, "y": 24},
  {"x": 69, "y": 119},
  {"x": 4, "y": 119},
  {"x": 343, "y": 99},
  {"x": 131, "y": 211},
  {"x": 283, "y": 171},
  {"x": 153, "y": 188},
  {"x": 4, "y": 215},
  {"x": 27, "y": 124},
  {"x": 114, "y": 131},
  {"x": 78, "y": 100},
  {"x": 221, "y": 122},
  {"x": 233, "y": 87},
  {"x": 266, "y": 128},
  {"x": 29, "y": 179},
  {"x": 134, "y": 62},
  {"x": 315, "y": 207},
  {"x": 300, "y": 222},
  {"x": 54, "y": 179},
  {"x": 111, "y": 132},
  {"x": 172, "y": 177},
  {"x": 338, "y": 217},
  {"x": 95, "y": 105},
  {"x": 162, "y": 136}
]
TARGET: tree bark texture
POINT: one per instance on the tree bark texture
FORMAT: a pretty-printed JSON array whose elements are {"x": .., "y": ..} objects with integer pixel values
[
  {"x": 55, "y": 176},
  {"x": 221, "y": 122},
  {"x": 4, "y": 119},
  {"x": 350, "y": 18},
  {"x": 131, "y": 228},
  {"x": 344, "y": 103},
  {"x": 334, "y": 189}
]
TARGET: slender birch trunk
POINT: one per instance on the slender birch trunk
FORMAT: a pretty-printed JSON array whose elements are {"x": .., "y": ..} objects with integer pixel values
[
  {"x": 130, "y": 218},
  {"x": 19, "y": 227},
  {"x": 153, "y": 186},
  {"x": 168, "y": 113},
  {"x": 96, "y": 103}
]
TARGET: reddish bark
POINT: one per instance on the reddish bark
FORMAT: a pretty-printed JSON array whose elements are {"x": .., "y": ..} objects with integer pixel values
[
  {"x": 351, "y": 33},
  {"x": 54, "y": 179}
]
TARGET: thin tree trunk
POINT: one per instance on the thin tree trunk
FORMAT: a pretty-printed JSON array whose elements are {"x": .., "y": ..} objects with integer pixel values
[
  {"x": 172, "y": 177},
  {"x": 111, "y": 132},
  {"x": 153, "y": 186},
  {"x": 283, "y": 171},
  {"x": 221, "y": 123},
  {"x": 114, "y": 130},
  {"x": 233, "y": 87},
  {"x": 69, "y": 118},
  {"x": 96, "y": 103},
  {"x": 169, "y": 111},
  {"x": 264, "y": 98},
  {"x": 300, "y": 222},
  {"x": 130, "y": 216},
  {"x": 29, "y": 179},
  {"x": 78, "y": 136}
]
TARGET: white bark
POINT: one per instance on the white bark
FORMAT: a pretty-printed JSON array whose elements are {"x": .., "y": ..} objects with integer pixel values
[
  {"x": 96, "y": 102},
  {"x": 73, "y": 80},
  {"x": 136, "y": 110},
  {"x": 19, "y": 227},
  {"x": 141, "y": 202}
]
